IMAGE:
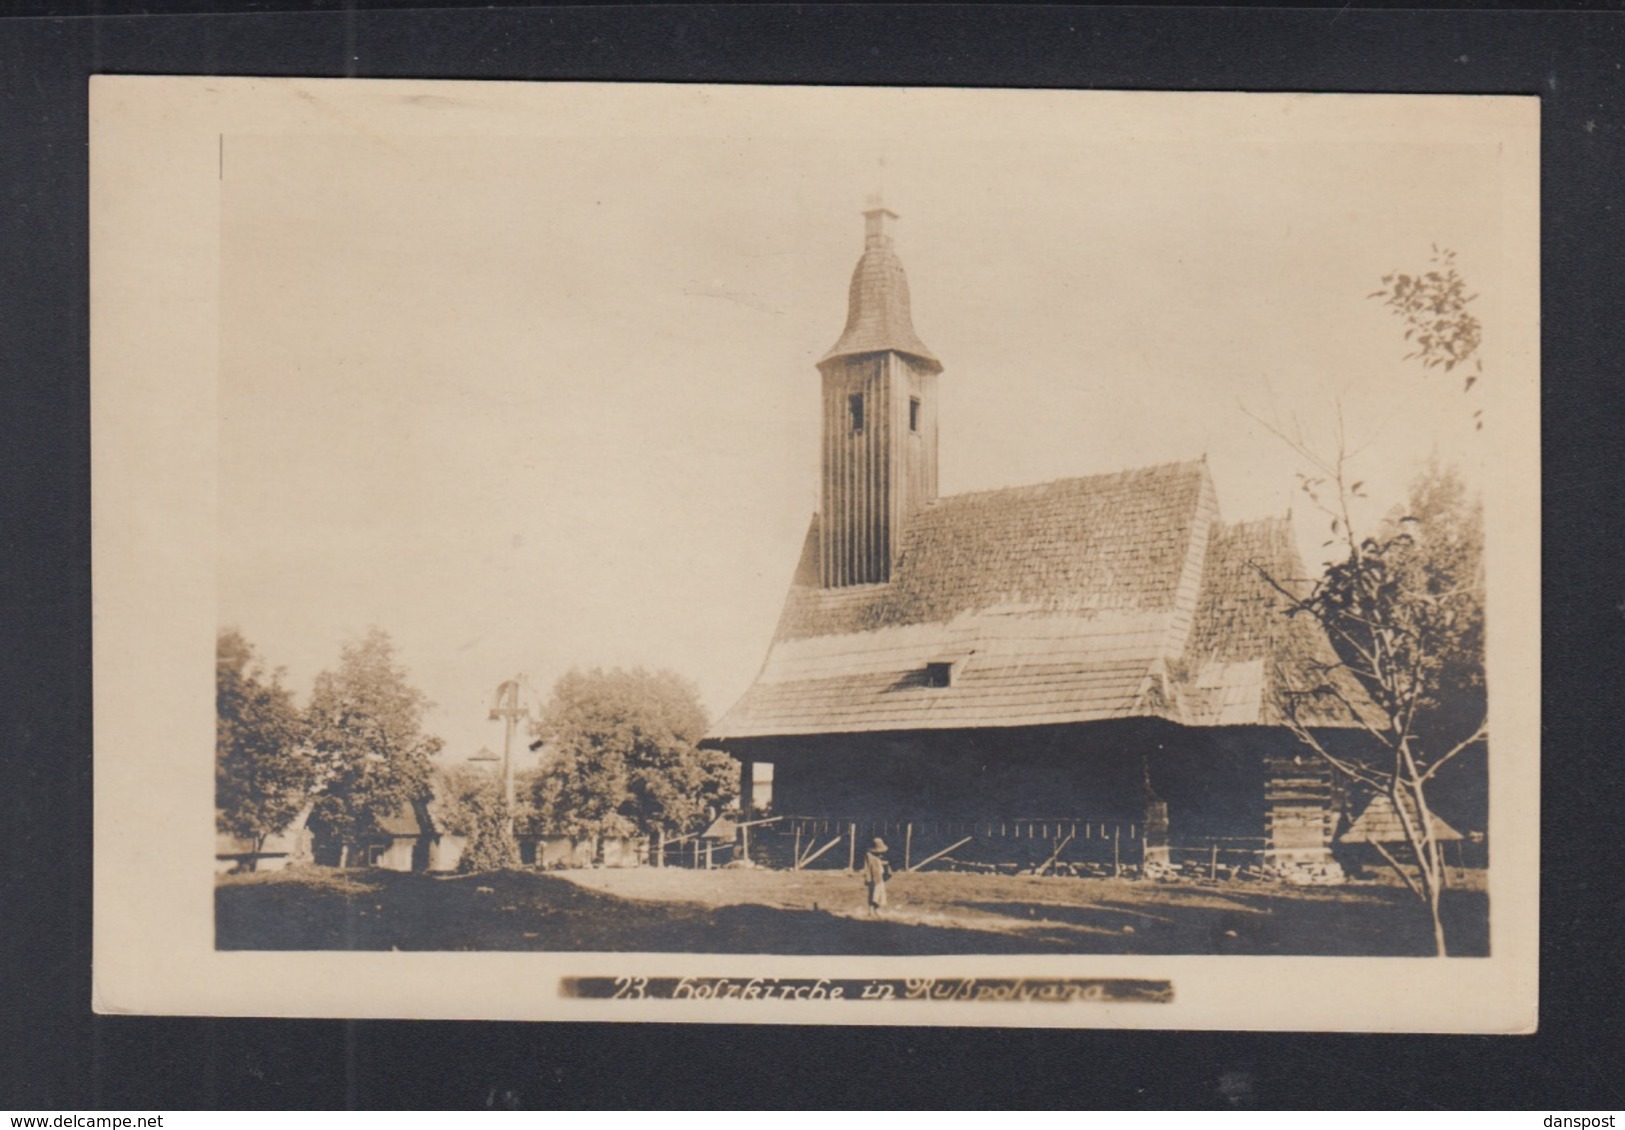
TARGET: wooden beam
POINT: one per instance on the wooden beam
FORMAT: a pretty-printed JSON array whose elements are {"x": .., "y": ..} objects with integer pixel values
[
  {"x": 940, "y": 854},
  {"x": 1056, "y": 854},
  {"x": 812, "y": 855},
  {"x": 753, "y": 823}
]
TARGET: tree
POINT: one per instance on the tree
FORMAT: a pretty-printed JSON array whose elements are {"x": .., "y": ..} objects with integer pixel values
[
  {"x": 1444, "y": 555},
  {"x": 1404, "y": 613},
  {"x": 262, "y": 772},
  {"x": 365, "y": 729},
  {"x": 624, "y": 756},
  {"x": 1433, "y": 305},
  {"x": 1403, "y": 608},
  {"x": 474, "y": 804}
]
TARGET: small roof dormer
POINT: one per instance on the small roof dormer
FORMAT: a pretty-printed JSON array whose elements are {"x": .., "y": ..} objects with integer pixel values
[{"x": 877, "y": 310}]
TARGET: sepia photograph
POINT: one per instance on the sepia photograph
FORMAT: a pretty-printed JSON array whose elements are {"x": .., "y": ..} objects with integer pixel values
[{"x": 969, "y": 551}]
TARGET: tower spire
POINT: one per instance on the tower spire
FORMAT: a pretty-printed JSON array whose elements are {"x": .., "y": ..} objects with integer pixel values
[
  {"x": 878, "y": 319},
  {"x": 880, "y": 418}
]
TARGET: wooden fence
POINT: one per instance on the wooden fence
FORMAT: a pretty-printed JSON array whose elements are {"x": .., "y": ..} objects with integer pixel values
[
  {"x": 1075, "y": 846},
  {"x": 1053, "y": 845}
]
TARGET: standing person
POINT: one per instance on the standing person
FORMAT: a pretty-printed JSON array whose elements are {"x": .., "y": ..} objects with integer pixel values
[{"x": 876, "y": 870}]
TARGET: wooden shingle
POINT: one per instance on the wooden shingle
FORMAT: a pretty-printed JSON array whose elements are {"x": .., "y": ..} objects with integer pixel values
[
  {"x": 878, "y": 319},
  {"x": 1380, "y": 824},
  {"x": 1081, "y": 600}
]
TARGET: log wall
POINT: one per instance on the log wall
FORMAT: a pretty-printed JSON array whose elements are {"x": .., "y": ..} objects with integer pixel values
[{"x": 1300, "y": 809}]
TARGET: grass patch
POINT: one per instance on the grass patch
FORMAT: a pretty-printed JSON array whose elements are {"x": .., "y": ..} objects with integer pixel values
[{"x": 820, "y": 912}]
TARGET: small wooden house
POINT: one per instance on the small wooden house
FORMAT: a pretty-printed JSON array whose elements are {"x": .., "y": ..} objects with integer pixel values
[
  {"x": 539, "y": 847},
  {"x": 1098, "y": 648},
  {"x": 407, "y": 839},
  {"x": 291, "y": 845},
  {"x": 1376, "y": 836},
  {"x": 403, "y": 842}
]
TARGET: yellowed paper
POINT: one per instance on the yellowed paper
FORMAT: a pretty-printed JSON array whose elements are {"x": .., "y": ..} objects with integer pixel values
[{"x": 525, "y": 375}]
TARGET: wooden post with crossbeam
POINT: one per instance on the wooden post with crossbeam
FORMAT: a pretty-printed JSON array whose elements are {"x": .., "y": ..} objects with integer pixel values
[
  {"x": 1054, "y": 855},
  {"x": 940, "y": 854},
  {"x": 507, "y": 707},
  {"x": 812, "y": 855}
]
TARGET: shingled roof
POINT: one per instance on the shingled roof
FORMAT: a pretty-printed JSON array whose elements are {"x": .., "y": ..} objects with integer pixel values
[
  {"x": 408, "y": 819},
  {"x": 1380, "y": 823},
  {"x": 1246, "y": 656},
  {"x": 1112, "y": 596},
  {"x": 878, "y": 318}
]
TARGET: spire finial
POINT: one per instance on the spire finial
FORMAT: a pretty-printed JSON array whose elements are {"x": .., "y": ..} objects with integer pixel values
[{"x": 876, "y": 232}]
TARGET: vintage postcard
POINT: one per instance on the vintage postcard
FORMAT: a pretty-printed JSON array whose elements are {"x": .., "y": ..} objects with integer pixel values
[{"x": 849, "y": 556}]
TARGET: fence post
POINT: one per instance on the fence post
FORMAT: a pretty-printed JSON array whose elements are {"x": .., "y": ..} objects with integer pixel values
[
  {"x": 1213, "y": 860},
  {"x": 1117, "y": 852},
  {"x": 852, "y": 846},
  {"x": 708, "y": 846},
  {"x": 660, "y": 848},
  {"x": 908, "y": 843},
  {"x": 796, "y": 866},
  {"x": 1155, "y": 854}
]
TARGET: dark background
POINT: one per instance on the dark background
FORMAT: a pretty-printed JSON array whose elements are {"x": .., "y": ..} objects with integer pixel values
[{"x": 55, "y": 1055}]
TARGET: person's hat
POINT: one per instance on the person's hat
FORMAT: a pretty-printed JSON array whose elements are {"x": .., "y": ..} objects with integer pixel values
[{"x": 878, "y": 845}]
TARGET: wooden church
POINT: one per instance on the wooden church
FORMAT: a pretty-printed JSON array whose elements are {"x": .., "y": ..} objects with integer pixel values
[{"x": 1095, "y": 649}]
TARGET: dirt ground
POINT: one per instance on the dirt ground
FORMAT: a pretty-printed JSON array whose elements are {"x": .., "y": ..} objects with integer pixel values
[{"x": 822, "y": 912}]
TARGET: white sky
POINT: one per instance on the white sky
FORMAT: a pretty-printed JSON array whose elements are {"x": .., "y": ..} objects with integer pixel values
[{"x": 531, "y": 400}]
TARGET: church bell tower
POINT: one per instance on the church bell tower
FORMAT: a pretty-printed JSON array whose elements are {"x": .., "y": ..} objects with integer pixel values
[{"x": 880, "y": 419}]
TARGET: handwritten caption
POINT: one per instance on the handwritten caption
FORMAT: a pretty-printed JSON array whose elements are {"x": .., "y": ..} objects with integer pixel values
[{"x": 1058, "y": 990}]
